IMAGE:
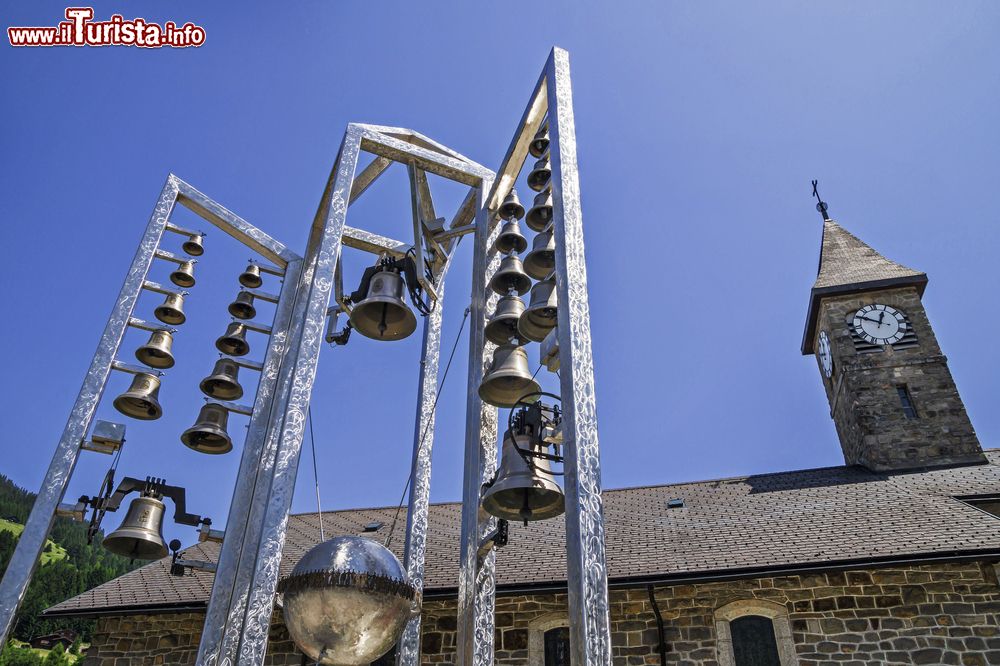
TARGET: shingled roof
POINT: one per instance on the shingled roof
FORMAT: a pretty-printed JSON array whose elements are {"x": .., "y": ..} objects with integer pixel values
[
  {"x": 737, "y": 527},
  {"x": 848, "y": 265}
]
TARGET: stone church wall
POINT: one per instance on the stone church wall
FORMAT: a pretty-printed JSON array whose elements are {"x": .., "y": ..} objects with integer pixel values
[{"x": 930, "y": 614}]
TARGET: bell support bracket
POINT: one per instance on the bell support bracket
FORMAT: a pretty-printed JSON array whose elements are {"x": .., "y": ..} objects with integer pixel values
[{"x": 149, "y": 487}]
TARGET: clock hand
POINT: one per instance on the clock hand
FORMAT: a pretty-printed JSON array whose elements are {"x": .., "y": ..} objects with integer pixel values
[
  {"x": 881, "y": 315},
  {"x": 870, "y": 319}
]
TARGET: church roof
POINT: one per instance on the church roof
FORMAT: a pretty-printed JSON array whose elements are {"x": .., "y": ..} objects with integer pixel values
[
  {"x": 848, "y": 265},
  {"x": 727, "y": 528}
]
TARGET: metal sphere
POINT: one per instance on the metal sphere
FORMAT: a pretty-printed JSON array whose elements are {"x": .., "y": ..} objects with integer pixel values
[{"x": 347, "y": 601}]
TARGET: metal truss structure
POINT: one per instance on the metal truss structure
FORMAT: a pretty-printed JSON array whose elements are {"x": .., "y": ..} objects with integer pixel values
[{"x": 243, "y": 595}]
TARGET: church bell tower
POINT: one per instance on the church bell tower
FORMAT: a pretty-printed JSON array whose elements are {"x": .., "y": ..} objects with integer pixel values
[{"x": 891, "y": 394}]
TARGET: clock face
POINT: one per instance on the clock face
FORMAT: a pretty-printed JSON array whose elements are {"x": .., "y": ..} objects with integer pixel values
[
  {"x": 880, "y": 324},
  {"x": 825, "y": 355}
]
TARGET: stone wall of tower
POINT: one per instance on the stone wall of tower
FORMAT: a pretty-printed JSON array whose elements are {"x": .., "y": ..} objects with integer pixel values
[{"x": 865, "y": 404}]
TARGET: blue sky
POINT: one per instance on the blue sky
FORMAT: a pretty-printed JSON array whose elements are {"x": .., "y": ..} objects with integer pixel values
[{"x": 699, "y": 127}]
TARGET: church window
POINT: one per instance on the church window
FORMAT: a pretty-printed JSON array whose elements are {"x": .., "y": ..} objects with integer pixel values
[
  {"x": 909, "y": 409},
  {"x": 557, "y": 647},
  {"x": 754, "y": 632},
  {"x": 753, "y": 641}
]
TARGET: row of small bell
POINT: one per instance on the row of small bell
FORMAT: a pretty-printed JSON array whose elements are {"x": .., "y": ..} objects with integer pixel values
[
  {"x": 140, "y": 536},
  {"x": 171, "y": 311},
  {"x": 208, "y": 434},
  {"x": 510, "y": 275},
  {"x": 250, "y": 278},
  {"x": 194, "y": 245},
  {"x": 183, "y": 275},
  {"x": 541, "y": 261},
  {"x": 540, "y": 214},
  {"x": 383, "y": 314},
  {"x": 508, "y": 378},
  {"x": 242, "y": 307},
  {"x": 523, "y": 491},
  {"x": 141, "y": 400},
  {"x": 512, "y": 319},
  {"x": 234, "y": 341},
  {"x": 540, "y": 174},
  {"x": 540, "y": 143},
  {"x": 156, "y": 353}
]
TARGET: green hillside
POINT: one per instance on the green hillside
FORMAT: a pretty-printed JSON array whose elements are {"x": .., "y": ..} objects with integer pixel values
[
  {"x": 68, "y": 567},
  {"x": 52, "y": 552}
]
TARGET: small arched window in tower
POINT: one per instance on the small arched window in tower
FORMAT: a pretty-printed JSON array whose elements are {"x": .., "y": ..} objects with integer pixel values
[{"x": 906, "y": 400}]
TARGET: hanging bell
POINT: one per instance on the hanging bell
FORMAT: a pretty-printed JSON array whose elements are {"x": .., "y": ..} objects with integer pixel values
[
  {"x": 508, "y": 378},
  {"x": 250, "y": 278},
  {"x": 140, "y": 536},
  {"x": 522, "y": 490},
  {"x": 502, "y": 326},
  {"x": 242, "y": 307},
  {"x": 234, "y": 342},
  {"x": 540, "y": 143},
  {"x": 383, "y": 314},
  {"x": 539, "y": 176},
  {"x": 541, "y": 211},
  {"x": 540, "y": 316},
  {"x": 541, "y": 261},
  {"x": 208, "y": 434},
  {"x": 140, "y": 400},
  {"x": 509, "y": 276},
  {"x": 511, "y": 207},
  {"x": 156, "y": 352},
  {"x": 223, "y": 383},
  {"x": 194, "y": 245},
  {"x": 183, "y": 276},
  {"x": 171, "y": 311},
  {"x": 510, "y": 239}
]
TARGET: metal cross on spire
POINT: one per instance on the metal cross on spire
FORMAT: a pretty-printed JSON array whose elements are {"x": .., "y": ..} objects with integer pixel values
[{"x": 820, "y": 204}]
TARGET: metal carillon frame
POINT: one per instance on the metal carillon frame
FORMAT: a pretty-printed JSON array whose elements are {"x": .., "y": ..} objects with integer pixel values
[{"x": 242, "y": 602}]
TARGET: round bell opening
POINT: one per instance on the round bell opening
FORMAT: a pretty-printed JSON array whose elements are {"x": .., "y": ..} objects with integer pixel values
[
  {"x": 250, "y": 278},
  {"x": 184, "y": 275},
  {"x": 140, "y": 400},
  {"x": 193, "y": 245},
  {"x": 211, "y": 440}
]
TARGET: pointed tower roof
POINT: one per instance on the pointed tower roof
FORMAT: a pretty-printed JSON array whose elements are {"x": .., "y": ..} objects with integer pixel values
[{"x": 847, "y": 265}]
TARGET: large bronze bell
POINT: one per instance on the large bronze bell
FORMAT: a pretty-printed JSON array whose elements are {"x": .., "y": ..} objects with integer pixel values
[
  {"x": 508, "y": 378},
  {"x": 223, "y": 383},
  {"x": 542, "y": 259},
  {"x": 140, "y": 400},
  {"x": 510, "y": 239},
  {"x": 540, "y": 316},
  {"x": 502, "y": 326},
  {"x": 509, "y": 276},
  {"x": 234, "y": 342},
  {"x": 156, "y": 352},
  {"x": 208, "y": 434},
  {"x": 171, "y": 311},
  {"x": 195, "y": 245},
  {"x": 250, "y": 278},
  {"x": 242, "y": 307},
  {"x": 541, "y": 211},
  {"x": 511, "y": 207},
  {"x": 523, "y": 491},
  {"x": 383, "y": 314},
  {"x": 183, "y": 275},
  {"x": 540, "y": 174},
  {"x": 140, "y": 536},
  {"x": 540, "y": 143}
]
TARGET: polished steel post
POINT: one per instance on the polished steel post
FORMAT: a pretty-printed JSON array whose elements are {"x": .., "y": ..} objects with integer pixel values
[
  {"x": 305, "y": 339},
  {"x": 590, "y": 632},
  {"x": 29, "y": 547},
  {"x": 476, "y": 585}
]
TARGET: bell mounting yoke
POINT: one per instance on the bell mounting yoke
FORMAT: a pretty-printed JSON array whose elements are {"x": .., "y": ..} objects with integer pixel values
[{"x": 150, "y": 487}]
